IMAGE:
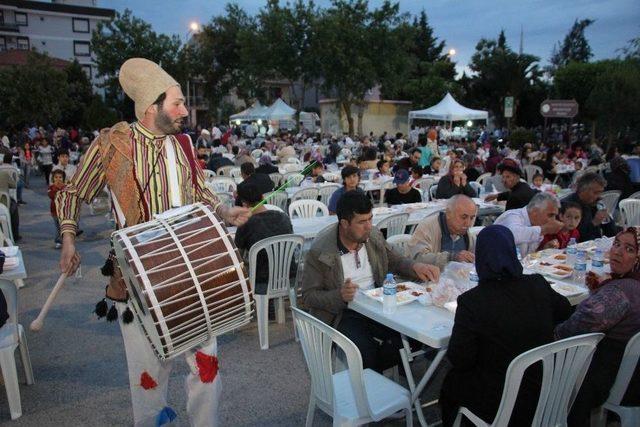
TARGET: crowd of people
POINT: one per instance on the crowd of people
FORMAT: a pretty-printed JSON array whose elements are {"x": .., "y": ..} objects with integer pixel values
[{"x": 508, "y": 313}]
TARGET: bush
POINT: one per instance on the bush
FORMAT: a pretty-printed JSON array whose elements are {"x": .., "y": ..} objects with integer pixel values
[{"x": 521, "y": 136}]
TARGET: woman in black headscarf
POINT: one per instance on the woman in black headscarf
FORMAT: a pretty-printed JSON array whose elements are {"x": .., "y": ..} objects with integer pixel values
[
  {"x": 507, "y": 314},
  {"x": 620, "y": 177}
]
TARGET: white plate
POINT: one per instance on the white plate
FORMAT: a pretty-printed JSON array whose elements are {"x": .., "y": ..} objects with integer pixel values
[
  {"x": 403, "y": 297},
  {"x": 567, "y": 290}
]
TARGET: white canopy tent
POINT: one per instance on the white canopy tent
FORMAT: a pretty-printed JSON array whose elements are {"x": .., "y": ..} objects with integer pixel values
[
  {"x": 279, "y": 110},
  {"x": 255, "y": 112},
  {"x": 448, "y": 110}
]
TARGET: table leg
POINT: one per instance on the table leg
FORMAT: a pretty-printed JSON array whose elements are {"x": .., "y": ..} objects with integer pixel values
[{"x": 406, "y": 356}]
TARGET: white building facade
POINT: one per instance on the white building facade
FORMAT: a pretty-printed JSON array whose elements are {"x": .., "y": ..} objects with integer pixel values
[{"x": 61, "y": 28}]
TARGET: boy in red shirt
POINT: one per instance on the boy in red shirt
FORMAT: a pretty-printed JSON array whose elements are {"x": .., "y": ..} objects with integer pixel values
[
  {"x": 57, "y": 177},
  {"x": 570, "y": 215}
]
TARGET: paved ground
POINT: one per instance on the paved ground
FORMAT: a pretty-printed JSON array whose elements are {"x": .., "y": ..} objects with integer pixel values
[{"x": 79, "y": 363}]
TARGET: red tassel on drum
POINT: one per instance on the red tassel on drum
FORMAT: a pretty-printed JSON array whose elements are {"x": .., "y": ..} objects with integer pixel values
[
  {"x": 147, "y": 382},
  {"x": 207, "y": 367}
]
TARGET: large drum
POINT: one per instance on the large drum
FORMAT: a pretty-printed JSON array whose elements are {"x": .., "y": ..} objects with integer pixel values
[{"x": 185, "y": 277}]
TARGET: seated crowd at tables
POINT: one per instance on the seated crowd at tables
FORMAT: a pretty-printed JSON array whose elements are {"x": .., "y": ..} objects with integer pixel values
[{"x": 509, "y": 312}]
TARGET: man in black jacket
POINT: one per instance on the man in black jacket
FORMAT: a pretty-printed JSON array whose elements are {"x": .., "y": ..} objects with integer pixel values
[
  {"x": 260, "y": 181},
  {"x": 518, "y": 193},
  {"x": 594, "y": 222}
]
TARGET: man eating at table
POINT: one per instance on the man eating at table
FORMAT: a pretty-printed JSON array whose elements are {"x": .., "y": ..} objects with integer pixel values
[
  {"x": 445, "y": 237},
  {"x": 530, "y": 224},
  {"x": 351, "y": 256}
]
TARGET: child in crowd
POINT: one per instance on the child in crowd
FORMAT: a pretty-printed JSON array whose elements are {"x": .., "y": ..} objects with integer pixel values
[
  {"x": 570, "y": 215},
  {"x": 57, "y": 177},
  {"x": 416, "y": 173},
  {"x": 537, "y": 183},
  {"x": 384, "y": 169}
]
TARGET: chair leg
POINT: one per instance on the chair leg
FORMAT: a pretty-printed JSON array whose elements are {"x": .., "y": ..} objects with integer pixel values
[
  {"x": 311, "y": 411},
  {"x": 280, "y": 310},
  {"x": 262, "y": 312},
  {"x": 26, "y": 360},
  {"x": 458, "y": 419},
  {"x": 8, "y": 365},
  {"x": 598, "y": 417},
  {"x": 409, "y": 416}
]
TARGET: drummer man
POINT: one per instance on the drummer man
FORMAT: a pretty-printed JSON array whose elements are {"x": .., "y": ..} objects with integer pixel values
[{"x": 149, "y": 168}]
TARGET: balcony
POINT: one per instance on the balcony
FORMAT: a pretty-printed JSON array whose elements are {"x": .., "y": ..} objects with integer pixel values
[{"x": 9, "y": 26}]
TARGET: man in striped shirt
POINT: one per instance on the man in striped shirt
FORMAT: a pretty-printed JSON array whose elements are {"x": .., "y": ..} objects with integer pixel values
[{"x": 148, "y": 171}]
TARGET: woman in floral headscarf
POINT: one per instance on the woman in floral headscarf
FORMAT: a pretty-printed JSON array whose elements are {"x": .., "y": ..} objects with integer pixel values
[{"x": 613, "y": 308}]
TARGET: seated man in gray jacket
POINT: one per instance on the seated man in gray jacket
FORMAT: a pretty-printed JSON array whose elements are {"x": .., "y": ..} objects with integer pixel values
[
  {"x": 445, "y": 237},
  {"x": 349, "y": 256}
]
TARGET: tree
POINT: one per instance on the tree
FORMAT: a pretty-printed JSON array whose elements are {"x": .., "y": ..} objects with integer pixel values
[
  {"x": 632, "y": 49},
  {"x": 347, "y": 61},
  {"x": 575, "y": 47},
  {"x": 500, "y": 72},
  {"x": 219, "y": 60},
  {"x": 430, "y": 73},
  {"x": 281, "y": 45},
  {"x": 35, "y": 93},
  {"x": 98, "y": 115},
  {"x": 80, "y": 95},
  {"x": 115, "y": 41},
  {"x": 615, "y": 98}
]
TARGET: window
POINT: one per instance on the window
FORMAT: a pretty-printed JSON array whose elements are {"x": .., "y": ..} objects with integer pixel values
[
  {"x": 3, "y": 43},
  {"x": 22, "y": 43},
  {"x": 87, "y": 70},
  {"x": 21, "y": 19},
  {"x": 81, "y": 48},
  {"x": 80, "y": 25}
]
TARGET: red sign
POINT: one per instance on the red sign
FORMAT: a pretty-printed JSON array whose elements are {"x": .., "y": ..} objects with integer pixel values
[{"x": 567, "y": 108}]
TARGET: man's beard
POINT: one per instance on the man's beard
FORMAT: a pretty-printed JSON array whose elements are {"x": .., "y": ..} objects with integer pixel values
[{"x": 164, "y": 123}]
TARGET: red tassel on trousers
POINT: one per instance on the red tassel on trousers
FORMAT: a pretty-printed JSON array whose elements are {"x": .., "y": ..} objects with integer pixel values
[{"x": 207, "y": 367}]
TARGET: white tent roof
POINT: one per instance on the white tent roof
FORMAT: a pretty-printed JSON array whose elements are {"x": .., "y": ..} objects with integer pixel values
[
  {"x": 255, "y": 112},
  {"x": 449, "y": 110},
  {"x": 279, "y": 110}
]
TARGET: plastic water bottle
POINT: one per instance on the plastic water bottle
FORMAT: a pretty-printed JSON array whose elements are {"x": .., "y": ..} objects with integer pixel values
[
  {"x": 518, "y": 254},
  {"x": 389, "y": 297},
  {"x": 580, "y": 267},
  {"x": 571, "y": 251},
  {"x": 597, "y": 262}
]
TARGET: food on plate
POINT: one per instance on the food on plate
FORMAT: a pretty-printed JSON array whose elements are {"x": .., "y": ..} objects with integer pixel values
[
  {"x": 560, "y": 257},
  {"x": 564, "y": 268},
  {"x": 401, "y": 288},
  {"x": 546, "y": 263}
]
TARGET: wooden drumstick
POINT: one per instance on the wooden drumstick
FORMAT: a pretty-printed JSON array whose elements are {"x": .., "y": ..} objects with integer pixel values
[{"x": 37, "y": 324}]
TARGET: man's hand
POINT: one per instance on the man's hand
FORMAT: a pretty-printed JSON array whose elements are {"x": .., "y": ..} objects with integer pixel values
[
  {"x": 490, "y": 197},
  {"x": 463, "y": 180},
  {"x": 465, "y": 256},
  {"x": 69, "y": 257},
  {"x": 600, "y": 217},
  {"x": 426, "y": 272},
  {"x": 236, "y": 215},
  {"x": 348, "y": 290},
  {"x": 552, "y": 244},
  {"x": 551, "y": 227}
]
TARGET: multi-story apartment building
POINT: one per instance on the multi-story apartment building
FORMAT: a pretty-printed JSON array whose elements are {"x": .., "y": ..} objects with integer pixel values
[{"x": 60, "y": 28}]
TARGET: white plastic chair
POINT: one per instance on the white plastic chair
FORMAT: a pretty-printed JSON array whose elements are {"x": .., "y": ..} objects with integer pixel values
[
  {"x": 293, "y": 178},
  {"x": 529, "y": 171},
  {"x": 354, "y": 396},
  {"x": 281, "y": 251},
  {"x": 476, "y": 186},
  {"x": 257, "y": 153},
  {"x": 12, "y": 336},
  {"x": 610, "y": 200},
  {"x": 208, "y": 174},
  {"x": 635, "y": 195},
  {"x": 394, "y": 223},
  {"x": 331, "y": 177},
  {"x": 279, "y": 199},
  {"x": 432, "y": 191},
  {"x": 225, "y": 170},
  {"x": 387, "y": 185},
  {"x": 222, "y": 184},
  {"x": 294, "y": 160},
  {"x": 276, "y": 178},
  {"x": 306, "y": 208},
  {"x": 564, "y": 365},
  {"x": 629, "y": 415},
  {"x": 326, "y": 191},
  {"x": 423, "y": 183},
  {"x": 310, "y": 193},
  {"x": 630, "y": 210},
  {"x": 399, "y": 243},
  {"x": 5, "y": 198},
  {"x": 269, "y": 207},
  {"x": 235, "y": 172},
  {"x": 5, "y": 221},
  {"x": 482, "y": 178}
]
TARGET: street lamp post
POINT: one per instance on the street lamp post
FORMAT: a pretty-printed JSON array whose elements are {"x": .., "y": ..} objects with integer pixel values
[{"x": 194, "y": 27}]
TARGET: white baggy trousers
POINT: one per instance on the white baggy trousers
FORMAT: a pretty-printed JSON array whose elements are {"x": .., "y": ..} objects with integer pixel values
[{"x": 148, "y": 403}]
